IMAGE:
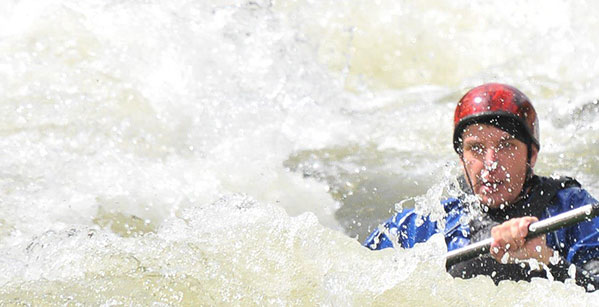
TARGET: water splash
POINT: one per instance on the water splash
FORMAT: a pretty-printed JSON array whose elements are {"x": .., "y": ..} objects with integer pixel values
[{"x": 129, "y": 121}]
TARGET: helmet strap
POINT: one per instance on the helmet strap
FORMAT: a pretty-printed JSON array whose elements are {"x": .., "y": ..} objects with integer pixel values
[
  {"x": 529, "y": 172},
  {"x": 466, "y": 172},
  {"x": 528, "y": 175}
]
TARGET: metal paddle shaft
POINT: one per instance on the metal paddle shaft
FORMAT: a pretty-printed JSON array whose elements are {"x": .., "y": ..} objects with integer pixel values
[{"x": 565, "y": 219}]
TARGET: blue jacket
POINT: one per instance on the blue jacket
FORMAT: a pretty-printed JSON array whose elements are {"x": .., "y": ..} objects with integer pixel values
[{"x": 577, "y": 244}]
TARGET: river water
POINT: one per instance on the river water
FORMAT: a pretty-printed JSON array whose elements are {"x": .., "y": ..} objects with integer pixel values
[{"x": 236, "y": 153}]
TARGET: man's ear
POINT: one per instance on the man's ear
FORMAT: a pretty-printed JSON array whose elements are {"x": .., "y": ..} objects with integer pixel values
[{"x": 533, "y": 157}]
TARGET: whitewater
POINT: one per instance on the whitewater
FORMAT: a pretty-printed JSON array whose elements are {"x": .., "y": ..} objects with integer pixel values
[{"x": 237, "y": 153}]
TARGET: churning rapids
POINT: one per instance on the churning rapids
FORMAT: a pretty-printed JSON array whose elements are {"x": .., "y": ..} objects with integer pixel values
[{"x": 204, "y": 153}]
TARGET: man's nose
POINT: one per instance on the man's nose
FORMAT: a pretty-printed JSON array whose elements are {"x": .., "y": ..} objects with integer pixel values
[{"x": 490, "y": 158}]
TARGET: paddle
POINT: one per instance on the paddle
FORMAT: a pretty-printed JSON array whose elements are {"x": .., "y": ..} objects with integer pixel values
[{"x": 565, "y": 219}]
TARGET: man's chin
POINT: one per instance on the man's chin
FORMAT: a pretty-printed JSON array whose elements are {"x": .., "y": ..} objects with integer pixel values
[{"x": 492, "y": 201}]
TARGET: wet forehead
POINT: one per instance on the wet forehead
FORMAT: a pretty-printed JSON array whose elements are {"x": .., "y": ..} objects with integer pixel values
[{"x": 483, "y": 132}]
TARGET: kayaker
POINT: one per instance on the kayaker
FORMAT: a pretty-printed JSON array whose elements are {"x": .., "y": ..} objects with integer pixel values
[{"x": 496, "y": 137}]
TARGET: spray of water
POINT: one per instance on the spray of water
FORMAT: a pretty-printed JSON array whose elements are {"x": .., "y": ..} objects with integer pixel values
[{"x": 215, "y": 153}]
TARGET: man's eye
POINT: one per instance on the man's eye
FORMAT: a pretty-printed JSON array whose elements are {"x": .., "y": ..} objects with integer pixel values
[
  {"x": 476, "y": 148},
  {"x": 506, "y": 145}
]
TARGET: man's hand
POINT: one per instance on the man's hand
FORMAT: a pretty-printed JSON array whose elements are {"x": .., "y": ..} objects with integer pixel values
[{"x": 509, "y": 242}]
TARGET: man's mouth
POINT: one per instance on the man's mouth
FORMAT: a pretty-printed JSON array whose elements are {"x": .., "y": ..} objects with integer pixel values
[{"x": 490, "y": 186}]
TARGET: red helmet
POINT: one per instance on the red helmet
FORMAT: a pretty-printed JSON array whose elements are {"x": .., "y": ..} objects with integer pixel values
[{"x": 500, "y": 105}]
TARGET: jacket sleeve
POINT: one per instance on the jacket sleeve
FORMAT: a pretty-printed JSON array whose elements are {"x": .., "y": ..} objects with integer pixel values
[
  {"x": 405, "y": 229},
  {"x": 579, "y": 244}
]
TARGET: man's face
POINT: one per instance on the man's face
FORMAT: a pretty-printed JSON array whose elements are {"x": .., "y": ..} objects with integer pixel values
[{"x": 495, "y": 162}]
